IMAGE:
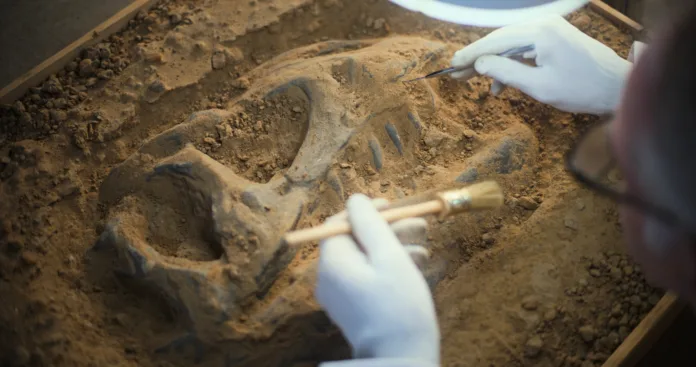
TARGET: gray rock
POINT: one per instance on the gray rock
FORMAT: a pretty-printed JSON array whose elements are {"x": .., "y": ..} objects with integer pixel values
[
  {"x": 157, "y": 86},
  {"x": 218, "y": 60},
  {"x": 433, "y": 137},
  {"x": 468, "y": 176}
]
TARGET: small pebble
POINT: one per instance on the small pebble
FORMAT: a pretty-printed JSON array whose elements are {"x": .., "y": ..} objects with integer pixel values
[
  {"x": 157, "y": 86},
  {"x": 241, "y": 83},
  {"x": 128, "y": 97},
  {"x": 587, "y": 333},
  {"x": 533, "y": 347},
  {"x": 234, "y": 55},
  {"x": 582, "y": 22},
  {"x": 379, "y": 23},
  {"x": 72, "y": 66},
  {"x": 433, "y": 137},
  {"x": 60, "y": 103},
  {"x": 530, "y": 303},
  {"x": 29, "y": 258},
  {"x": 105, "y": 74},
  {"x": 570, "y": 223},
  {"x": 550, "y": 315},
  {"x": 580, "y": 205},
  {"x": 616, "y": 310},
  {"x": 528, "y": 203},
  {"x": 154, "y": 57},
  {"x": 57, "y": 115},
  {"x": 104, "y": 52},
  {"x": 218, "y": 60},
  {"x": 85, "y": 68},
  {"x": 174, "y": 19}
]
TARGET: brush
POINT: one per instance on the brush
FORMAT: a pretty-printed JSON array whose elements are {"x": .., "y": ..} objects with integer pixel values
[{"x": 481, "y": 196}]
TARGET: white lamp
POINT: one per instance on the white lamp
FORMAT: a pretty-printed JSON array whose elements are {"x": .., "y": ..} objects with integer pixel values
[{"x": 490, "y": 13}]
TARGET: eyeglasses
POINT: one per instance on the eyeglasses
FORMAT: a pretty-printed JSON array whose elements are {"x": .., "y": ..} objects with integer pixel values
[{"x": 591, "y": 161}]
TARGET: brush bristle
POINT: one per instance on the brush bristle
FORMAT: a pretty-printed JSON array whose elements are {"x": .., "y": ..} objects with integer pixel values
[{"x": 485, "y": 195}]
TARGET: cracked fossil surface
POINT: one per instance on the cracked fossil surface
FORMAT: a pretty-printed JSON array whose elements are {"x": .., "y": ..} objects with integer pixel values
[{"x": 198, "y": 212}]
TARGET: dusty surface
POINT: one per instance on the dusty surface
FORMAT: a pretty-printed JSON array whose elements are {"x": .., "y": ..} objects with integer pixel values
[{"x": 146, "y": 187}]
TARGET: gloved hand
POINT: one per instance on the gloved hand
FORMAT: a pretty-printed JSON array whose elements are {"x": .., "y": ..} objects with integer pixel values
[
  {"x": 411, "y": 232},
  {"x": 637, "y": 49},
  {"x": 574, "y": 72},
  {"x": 378, "y": 298}
]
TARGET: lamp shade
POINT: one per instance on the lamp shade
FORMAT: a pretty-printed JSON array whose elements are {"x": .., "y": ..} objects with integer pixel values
[{"x": 490, "y": 13}]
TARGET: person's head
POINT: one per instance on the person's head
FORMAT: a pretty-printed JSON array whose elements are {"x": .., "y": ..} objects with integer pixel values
[{"x": 653, "y": 138}]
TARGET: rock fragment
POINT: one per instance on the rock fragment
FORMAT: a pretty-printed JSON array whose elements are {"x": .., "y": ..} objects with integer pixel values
[
  {"x": 587, "y": 333},
  {"x": 85, "y": 68},
  {"x": 157, "y": 86},
  {"x": 528, "y": 203},
  {"x": 218, "y": 60},
  {"x": 533, "y": 346},
  {"x": 530, "y": 303}
]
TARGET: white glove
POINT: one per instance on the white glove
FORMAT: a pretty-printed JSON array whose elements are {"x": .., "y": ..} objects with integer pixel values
[
  {"x": 378, "y": 298},
  {"x": 411, "y": 232},
  {"x": 574, "y": 73},
  {"x": 636, "y": 50}
]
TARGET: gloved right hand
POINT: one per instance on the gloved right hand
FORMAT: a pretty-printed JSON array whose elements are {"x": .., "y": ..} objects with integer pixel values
[
  {"x": 371, "y": 288},
  {"x": 574, "y": 73}
]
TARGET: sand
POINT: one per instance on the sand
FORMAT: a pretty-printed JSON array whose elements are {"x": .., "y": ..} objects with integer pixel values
[{"x": 146, "y": 188}]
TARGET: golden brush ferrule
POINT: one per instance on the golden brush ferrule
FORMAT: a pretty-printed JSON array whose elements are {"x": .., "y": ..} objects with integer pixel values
[{"x": 454, "y": 202}]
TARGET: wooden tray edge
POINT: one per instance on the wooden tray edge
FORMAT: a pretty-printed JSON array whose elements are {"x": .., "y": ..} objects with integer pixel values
[
  {"x": 616, "y": 17},
  {"x": 647, "y": 333},
  {"x": 37, "y": 74}
]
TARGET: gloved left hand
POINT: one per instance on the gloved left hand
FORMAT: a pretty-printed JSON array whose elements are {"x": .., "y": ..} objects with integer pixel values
[
  {"x": 378, "y": 298},
  {"x": 574, "y": 72}
]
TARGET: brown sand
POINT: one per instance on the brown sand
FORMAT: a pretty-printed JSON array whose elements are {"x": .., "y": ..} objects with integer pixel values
[{"x": 146, "y": 187}]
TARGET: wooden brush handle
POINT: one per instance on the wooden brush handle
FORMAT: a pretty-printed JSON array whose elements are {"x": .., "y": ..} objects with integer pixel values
[{"x": 337, "y": 228}]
